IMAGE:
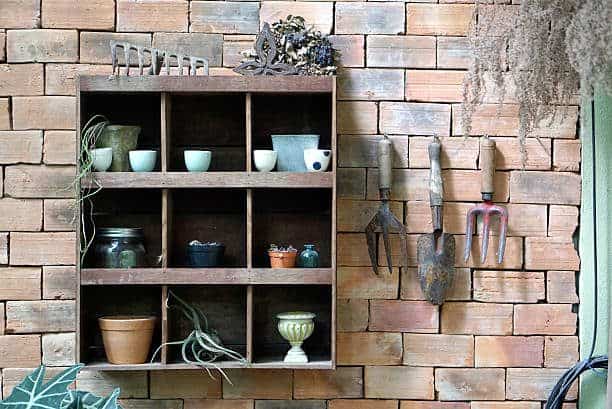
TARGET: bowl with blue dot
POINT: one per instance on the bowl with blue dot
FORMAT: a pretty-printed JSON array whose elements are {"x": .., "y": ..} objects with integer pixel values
[{"x": 317, "y": 160}]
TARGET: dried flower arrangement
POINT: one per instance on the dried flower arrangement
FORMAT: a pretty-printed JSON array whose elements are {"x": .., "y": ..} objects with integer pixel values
[
  {"x": 545, "y": 50},
  {"x": 299, "y": 46}
]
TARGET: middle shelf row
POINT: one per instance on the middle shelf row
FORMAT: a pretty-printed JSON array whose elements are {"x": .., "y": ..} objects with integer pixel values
[{"x": 245, "y": 222}]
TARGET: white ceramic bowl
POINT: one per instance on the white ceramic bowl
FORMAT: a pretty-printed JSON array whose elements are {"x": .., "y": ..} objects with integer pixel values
[
  {"x": 143, "y": 161},
  {"x": 197, "y": 161},
  {"x": 102, "y": 158},
  {"x": 265, "y": 160},
  {"x": 317, "y": 160}
]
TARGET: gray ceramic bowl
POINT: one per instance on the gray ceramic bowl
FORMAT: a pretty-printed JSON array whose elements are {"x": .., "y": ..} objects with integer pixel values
[{"x": 290, "y": 149}]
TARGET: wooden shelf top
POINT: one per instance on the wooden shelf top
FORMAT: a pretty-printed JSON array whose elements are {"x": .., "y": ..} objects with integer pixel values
[
  {"x": 204, "y": 83},
  {"x": 265, "y": 363},
  {"x": 212, "y": 276},
  {"x": 124, "y": 180}
]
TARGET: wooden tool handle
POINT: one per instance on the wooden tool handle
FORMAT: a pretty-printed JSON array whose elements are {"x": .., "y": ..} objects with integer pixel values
[
  {"x": 436, "y": 189},
  {"x": 385, "y": 160},
  {"x": 487, "y": 166}
]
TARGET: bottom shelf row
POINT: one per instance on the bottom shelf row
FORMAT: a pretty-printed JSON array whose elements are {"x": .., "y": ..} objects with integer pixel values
[{"x": 246, "y": 324}]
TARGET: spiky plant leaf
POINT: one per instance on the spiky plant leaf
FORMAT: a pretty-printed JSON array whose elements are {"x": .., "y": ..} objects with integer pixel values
[
  {"x": 34, "y": 393},
  {"x": 86, "y": 400}
]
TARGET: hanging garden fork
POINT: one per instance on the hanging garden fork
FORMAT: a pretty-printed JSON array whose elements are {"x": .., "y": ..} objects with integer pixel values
[{"x": 487, "y": 209}]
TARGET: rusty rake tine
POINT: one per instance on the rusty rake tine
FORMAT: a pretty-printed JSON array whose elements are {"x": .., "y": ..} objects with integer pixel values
[
  {"x": 372, "y": 246},
  {"x": 502, "y": 235},
  {"x": 387, "y": 244},
  {"x": 469, "y": 232},
  {"x": 486, "y": 229}
]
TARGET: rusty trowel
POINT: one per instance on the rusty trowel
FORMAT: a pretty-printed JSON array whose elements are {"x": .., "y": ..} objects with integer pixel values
[{"x": 436, "y": 251}]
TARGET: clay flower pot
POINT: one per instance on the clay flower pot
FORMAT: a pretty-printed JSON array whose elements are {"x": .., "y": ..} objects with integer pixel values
[
  {"x": 127, "y": 339},
  {"x": 282, "y": 258}
]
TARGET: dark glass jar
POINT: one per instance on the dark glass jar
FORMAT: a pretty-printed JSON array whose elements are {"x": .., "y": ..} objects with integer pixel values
[
  {"x": 118, "y": 247},
  {"x": 309, "y": 257}
]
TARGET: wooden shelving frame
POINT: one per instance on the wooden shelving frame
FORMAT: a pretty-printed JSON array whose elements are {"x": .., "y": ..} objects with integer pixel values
[{"x": 252, "y": 277}]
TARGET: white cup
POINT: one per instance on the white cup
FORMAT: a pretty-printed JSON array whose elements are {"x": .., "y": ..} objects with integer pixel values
[
  {"x": 102, "y": 158},
  {"x": 317, "y": 160},
  {"x": 265, "y": 160},
  {"x": 142, "y": 160},
  {"x": 197, "y": 161}
]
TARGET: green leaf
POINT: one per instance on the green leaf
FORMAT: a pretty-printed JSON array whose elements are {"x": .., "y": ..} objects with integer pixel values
[
  {"x": 86, "y": 400},
  {"x": 33, "y": 393}
]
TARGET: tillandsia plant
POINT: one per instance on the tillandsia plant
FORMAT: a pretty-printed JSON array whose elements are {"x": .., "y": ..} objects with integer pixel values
[
  {"x": 203, "y": 346},
  {"x": 305, "y": 48},
  {"x": 89, "y": 135},
  {"x": 34, "y": 393},
  {"x": 545, "y": 50}
]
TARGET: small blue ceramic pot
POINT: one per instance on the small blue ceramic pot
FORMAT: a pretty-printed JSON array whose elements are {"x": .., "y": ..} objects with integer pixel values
[
  {"x": 290, "y": 149},
  {"x": 309, "y": 257}
]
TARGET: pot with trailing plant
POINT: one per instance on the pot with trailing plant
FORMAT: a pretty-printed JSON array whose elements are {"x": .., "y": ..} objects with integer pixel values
[{"x": 281, "y": 256}]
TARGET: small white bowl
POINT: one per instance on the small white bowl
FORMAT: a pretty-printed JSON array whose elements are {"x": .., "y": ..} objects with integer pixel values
[
  {"x": 102, "y": 158},
  {"x": 265, "y": 160},
  {"x": 317, "y": 160},
  {"x": 197, "y": 161},
  {"x": 142, "y": 160}
]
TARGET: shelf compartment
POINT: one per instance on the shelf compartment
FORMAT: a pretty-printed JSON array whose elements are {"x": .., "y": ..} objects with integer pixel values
[
  {"x": 214, "y": 122},
  {"x": 228, "y": 276},
  {"x": 268, "y": 301},
  {"x": 127, "y": 208},
  {"x": 140, "y": 109},
  {"x": 100, "y": 301},
  {"x": 209, "y": 215},
  {"x": 291, "y": 114},
  {"x": 315, "y": 363},
  {"x": 225, "y": 310},
  {"x": 295, "y": 217}
]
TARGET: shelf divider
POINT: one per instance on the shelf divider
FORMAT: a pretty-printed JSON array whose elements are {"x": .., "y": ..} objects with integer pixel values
[
  {"x": 249, "y": 226},
  {"x": 166, "y": 109}
]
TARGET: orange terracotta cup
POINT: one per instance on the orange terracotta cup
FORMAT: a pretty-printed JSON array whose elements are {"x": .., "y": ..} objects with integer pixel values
[
  {"x": 127, "y": 338},
  {"x": 282, "y": 259}
]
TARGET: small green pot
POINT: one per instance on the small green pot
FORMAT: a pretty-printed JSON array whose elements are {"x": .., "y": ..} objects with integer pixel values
[{"x": 123, "y": 139}]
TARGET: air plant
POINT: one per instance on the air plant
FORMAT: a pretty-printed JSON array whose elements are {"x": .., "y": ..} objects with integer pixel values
[
  {"x": 203, "y": 346},
  {"x": 89, "y": 136}
]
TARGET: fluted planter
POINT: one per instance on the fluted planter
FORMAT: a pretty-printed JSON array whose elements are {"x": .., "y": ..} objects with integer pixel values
[{"x": 296, "y": 327}]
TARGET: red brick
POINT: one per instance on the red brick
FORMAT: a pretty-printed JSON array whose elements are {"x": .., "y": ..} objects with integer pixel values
[
  {"x": 44, "y": 112},
  {"x": 414, "y": 118},
  {"x": 562, "y": 125},
  {"x": 464, "y": 185},
  {"x": 369, "y": 348},
  {"x": 20, "y": 14},
  {"x": 5, "y": 116},
  {"x": 457, "y": 153},
  {"x": 393, "y": 51},
  {"x": 4, "y": 248},
  {"x": 371, "y": 84},
  {"x": 411, "y": 242},
  {"x": 506, "y": 405},
  {"x": 399, "y": 382},
  {"x": 434, "y": 86},
  {"x": 184, "y": 384},
  {"x": 133, "y": 384},
  {"x": 351, "y": 182},
  {"x": 551, "y": 253},
  {"x": 561, "y": 287},
  {"x": 90, "y": 14},
  {"x": 357, "y": 117},
  {"x": 369, "y": 18},
  {"x": 59, "y": 349},
  {"x": 513, "y": 256},
  {"x": 470, "y": 384},
  {"x": 461, "y": 288},
  {"x": 418, "y": 217},
  {"x": 258, "y": 384},
  {"x": 354, "y": 215},
  {"x": 566, "y": 155},
  {"x": 361, "y": 282},
  {"x": 411, "y": 404},
  {"x": 560, "y": 352},
  {"x": 362, "y": 404},
  {"x": 545, "y": 187},
  {"x": 20, "y": 147},
  {"x": 20, "y": 215},
  {"x": 352, "y": 250},
  {"x": 60, "y": 215},
  {"x": 434, "y": 19},
  {"x": 544, "y": 319},
  {"x": 319, "y": 15},
  {"x": 24, "y": 317},
  {"x": 19, "y": 351},
  {"x": 30, "y": 181},
  {"x": 360, "y": 150},
  {"x": 216, "y": 404},
  {"x": 152, "y": 15},
  {"x": 2, "y": 45},
  {"x": 42, "y": 46},
  {"x": 453, "y": 52},
  {"x": 403, "y": 316},
  {"x": 509, "y": 286},
  {"x": 233, "y": 45},
  {"x": 438, "y": 350},
  {"x": 59, "y": 148},
  {"x": 61, "y": 78},
  {"x": 523, "y": 220},
  {"x": 509, "y": 351},
  {"x": 562, "y": 221},
  {"x": 95, "y": 46},
  {"x": 226, "y": 17},
  {"x": 344, "y": 382},
  {"x": 43, "y": 248},
  {"x": 59, "y": 282},
  {"x": 352, "y": 315},
  {"x": 351, "y": 49},
  {"x": 476, "y": 318},
  {"x": 20, "y": 283},
  {"x": 508, "y": 155},
  {"x": 209, "y": 46},
  {"x": 534, "y": 383},
  {"x": 22, "y": 79}
]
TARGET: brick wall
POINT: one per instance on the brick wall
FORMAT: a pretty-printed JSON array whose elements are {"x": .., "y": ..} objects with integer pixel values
[{"x": 505, "y": 332}]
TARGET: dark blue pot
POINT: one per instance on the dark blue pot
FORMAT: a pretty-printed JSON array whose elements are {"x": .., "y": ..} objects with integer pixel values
[{"x": 205, "y": 255}]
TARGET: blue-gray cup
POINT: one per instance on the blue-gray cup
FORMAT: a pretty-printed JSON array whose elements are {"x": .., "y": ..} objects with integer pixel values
[{"x": 290, "y": 150}]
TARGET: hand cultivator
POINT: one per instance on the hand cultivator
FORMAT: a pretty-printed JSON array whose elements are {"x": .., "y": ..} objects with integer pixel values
[
  {"x": 384, "y": 219},
  {"x": 487, "y": 208}
]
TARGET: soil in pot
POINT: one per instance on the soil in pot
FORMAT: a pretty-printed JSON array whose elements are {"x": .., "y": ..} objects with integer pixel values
[{"x": 127, "y": 339}]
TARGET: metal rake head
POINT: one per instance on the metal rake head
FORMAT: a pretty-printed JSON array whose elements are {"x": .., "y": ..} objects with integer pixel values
[
  {"x": 385, "y": 222},
  {"x": 487, "y": 210}
]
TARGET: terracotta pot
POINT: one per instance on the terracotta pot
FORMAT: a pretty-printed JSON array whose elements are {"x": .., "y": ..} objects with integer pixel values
[
  {"x": 127, "y": 339},
  {"x": 282, "y": 259}
]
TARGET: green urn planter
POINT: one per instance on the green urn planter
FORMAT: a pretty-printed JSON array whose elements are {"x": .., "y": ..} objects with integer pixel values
[
  {"x": 122, "y": 139},
  {"x": 296, "y": 327}
]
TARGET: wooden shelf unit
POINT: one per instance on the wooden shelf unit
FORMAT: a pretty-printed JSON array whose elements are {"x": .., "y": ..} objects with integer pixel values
[{"x": 232, "y": 203}]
